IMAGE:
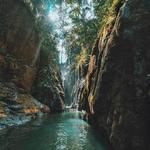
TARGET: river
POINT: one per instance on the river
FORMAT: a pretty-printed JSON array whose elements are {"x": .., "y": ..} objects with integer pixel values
[{"x": 64, "y": 131}]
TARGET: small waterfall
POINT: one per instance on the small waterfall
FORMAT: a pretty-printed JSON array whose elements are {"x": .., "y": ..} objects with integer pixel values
[{"x": 77, "y": 87}]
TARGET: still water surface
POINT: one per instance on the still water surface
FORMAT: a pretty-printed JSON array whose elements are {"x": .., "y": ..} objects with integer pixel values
[{"x": 64, "y": 131}]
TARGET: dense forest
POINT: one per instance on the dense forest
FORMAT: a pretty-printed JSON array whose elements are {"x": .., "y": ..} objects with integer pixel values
[{"x": 74, "y": 74}]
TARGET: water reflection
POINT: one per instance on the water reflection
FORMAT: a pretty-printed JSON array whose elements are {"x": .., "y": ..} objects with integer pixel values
[{"x": 56, "y": 132}]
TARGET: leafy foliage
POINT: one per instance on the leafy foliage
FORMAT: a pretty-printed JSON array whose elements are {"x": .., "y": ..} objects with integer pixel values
[
  {"x": 84, "y": 29},
  {"x": 79, "y": 29},
  {"x": 81, "y": 58}
]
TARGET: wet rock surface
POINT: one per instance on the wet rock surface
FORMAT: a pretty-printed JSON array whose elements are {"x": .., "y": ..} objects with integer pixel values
[
  {"x": 115, "y": 94},
  {"x": 17, "y": 107}
]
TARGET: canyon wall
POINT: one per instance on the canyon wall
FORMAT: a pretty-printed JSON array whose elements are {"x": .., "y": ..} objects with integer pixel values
[
  {"x": 19, "y": 65},
  {"x": 116, "y": 89},
  {"x": 48, "y": 87}
]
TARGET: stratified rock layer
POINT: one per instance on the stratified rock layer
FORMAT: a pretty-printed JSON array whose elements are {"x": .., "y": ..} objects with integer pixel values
[{"x": 116, "y": 91}]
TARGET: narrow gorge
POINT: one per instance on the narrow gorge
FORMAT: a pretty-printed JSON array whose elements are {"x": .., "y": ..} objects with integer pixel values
[{"x": 74, "y": 75}]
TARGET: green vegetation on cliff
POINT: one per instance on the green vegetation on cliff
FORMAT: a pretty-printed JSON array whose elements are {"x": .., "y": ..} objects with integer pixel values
[{"x": 102, "y": 49}]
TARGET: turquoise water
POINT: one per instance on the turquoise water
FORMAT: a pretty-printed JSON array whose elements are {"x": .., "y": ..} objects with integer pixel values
[{"x": 64, "y": 131}]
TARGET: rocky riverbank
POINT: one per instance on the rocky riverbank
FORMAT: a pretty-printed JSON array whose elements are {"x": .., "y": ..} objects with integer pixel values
[{"x": 17, "y": 106}]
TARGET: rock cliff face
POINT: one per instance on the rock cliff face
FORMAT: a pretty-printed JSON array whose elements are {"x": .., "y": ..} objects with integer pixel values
[
  {"x": 19, "y": 43},
  {"x": 48, "y": 86},
  {"x": 116, "y": 89},
  {"x": 19, "y": 51}
]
